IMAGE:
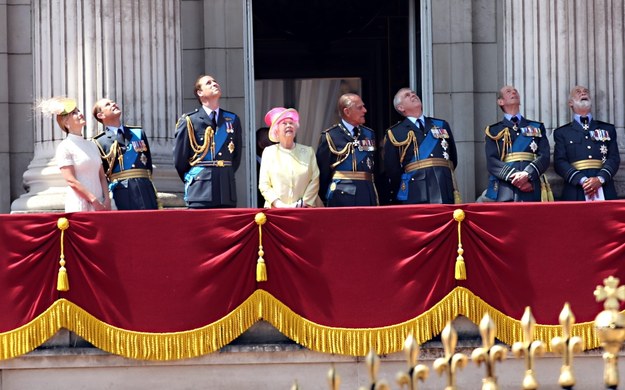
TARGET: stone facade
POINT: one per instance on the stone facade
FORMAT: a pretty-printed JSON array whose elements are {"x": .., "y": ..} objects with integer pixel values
[{"x": 471, "y": 49}]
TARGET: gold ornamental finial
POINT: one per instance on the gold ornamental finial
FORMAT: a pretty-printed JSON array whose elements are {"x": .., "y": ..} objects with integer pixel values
[
  {"x": 567, "y": 346},
  {"x": 416, "y": 371},
  {"x": 489, "y": 353},
  {"x": 610, "y": 328},
  {"x": 334, "y": 380},
  {"x": 373, "y": 364},
  {"x": 452, "y": 362},
  {"x": 529, "y": 349}
]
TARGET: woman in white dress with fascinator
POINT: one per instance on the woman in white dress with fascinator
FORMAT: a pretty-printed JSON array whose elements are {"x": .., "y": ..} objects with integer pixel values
[{"x": 78, "y": 159}]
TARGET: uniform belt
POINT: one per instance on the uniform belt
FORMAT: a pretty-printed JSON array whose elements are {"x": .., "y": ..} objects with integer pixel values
[
  {"x": 587, "y": 164},
  {"x": 428, "y": 163},
  {"x": 214, "y": 163},
  {"x": 134, "y": 173},
  {"x": 350, "y": 175},
  {"x": 519, "y": 156}
]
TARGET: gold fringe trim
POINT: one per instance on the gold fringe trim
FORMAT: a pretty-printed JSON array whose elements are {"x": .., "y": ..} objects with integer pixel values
[
  {"x": 389, "y": 339},
  {"x": 130, "y": 344},
  {"x": 262, "y": 305}
]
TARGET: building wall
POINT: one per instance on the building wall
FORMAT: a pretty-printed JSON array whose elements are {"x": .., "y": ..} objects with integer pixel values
[
  {"x": 471, "y": 49},
  {"x": 5, "y": 167},
  {"x": 466, "y": 70},
  {"x": 16, "y": 73}
]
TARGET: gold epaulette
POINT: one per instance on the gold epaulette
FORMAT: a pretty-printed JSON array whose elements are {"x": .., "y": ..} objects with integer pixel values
[
  {"x": 507, "y": 142},
  {"x": 498, "y": 136},
  {"x": 404, "y": 145}
]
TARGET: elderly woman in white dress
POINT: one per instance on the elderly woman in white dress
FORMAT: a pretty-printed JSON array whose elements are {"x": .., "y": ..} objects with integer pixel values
[
  {"x": 289, "y": 175},
  {"x": 78, "y": 159}
]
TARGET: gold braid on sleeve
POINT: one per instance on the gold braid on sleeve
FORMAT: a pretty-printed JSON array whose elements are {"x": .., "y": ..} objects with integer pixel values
[
  {"x": 341, "y": 154},
  {"x": 199, "y": 151},
  {"x": 507, "y": 142},
  {"x": 405, "y": 144}
]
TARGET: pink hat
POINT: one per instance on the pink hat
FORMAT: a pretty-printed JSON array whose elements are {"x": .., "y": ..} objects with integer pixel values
[{"x": 277, "y": 115}]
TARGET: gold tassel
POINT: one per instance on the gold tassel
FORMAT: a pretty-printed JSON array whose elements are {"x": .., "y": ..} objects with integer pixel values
[
  {"x": 548, "y": 192},
  {"x": 457, "y": 197},
  {"x": 62, "y": 283},
  {"x": 461, "y": 270},
  {"x": 261, "y": 267},
  {"x": 543, "y": 192}
]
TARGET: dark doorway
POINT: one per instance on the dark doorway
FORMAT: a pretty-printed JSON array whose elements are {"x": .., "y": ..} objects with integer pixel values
[{"x": 365, "y": 39}]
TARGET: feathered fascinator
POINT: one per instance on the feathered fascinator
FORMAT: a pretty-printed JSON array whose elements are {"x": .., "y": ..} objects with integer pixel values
[{"x": 57, "y": 106}]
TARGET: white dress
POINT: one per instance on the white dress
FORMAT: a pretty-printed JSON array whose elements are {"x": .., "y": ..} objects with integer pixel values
[{"x": 84, "y": 156}]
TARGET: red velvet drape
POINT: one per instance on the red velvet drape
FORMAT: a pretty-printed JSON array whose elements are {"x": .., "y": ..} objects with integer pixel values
[{"x": 174, "y": 270}]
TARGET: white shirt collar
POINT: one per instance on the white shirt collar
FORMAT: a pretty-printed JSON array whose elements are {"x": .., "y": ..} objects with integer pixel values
[{"x": 208, "y": 111}]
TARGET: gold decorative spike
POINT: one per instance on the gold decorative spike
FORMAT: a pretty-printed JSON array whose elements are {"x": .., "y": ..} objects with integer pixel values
[
  {"x": 489, "y": 353},
  {"x": 373, "y": 363},
  {"x": 451, "y": 363},
  {"x": 529, "y": 349},
  {"x": 416, "y": 371},
  {"x": 567, "y": 346},
  {"x": 610, "y": 327},
  {"x": 334, "y": 380}
]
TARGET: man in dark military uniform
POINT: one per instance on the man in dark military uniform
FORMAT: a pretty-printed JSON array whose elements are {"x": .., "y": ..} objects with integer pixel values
[
  {"x": 517, "y": 154},
  {"x": 207, "y": 150},
  {"x": 126, "y": 158},
  {"x": 586, "y": 152},
  {"x": 419, "y": 155},
  {"x": 346, "y": 158}
]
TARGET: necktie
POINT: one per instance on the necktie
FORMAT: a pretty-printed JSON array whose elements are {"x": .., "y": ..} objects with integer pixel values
[
  {"x": 355, "y": 131},
  {"x": 212, "y": 120},
  {"x": 420, "y": 125},
  {"x": 584, "y": 120},
  {"x": 121, "y": 134}
]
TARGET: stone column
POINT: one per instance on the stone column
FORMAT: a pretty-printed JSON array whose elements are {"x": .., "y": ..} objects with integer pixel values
[
  {"x": 452, "y": 81},
  {"x": 551, "y": 46},
  {"x": 128, "y": 51},
  {"x": 5, "y": 165}
]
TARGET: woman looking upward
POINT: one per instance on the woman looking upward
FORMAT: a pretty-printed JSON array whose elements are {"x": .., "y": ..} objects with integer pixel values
[{"x": 289, "y": 175}]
